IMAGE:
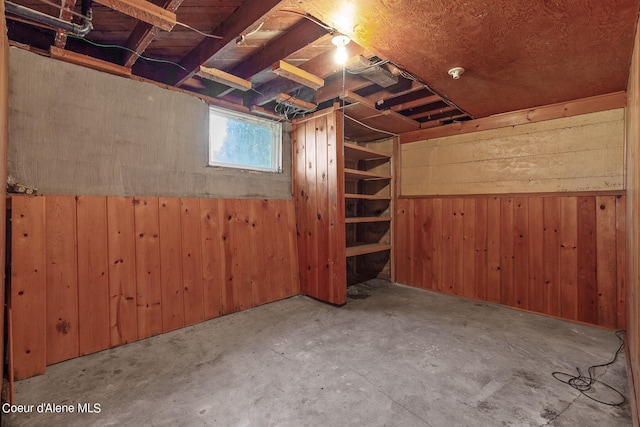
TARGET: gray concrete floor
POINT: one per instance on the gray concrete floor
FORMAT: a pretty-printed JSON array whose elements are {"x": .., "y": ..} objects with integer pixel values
[{"x": 393, "y": 356}]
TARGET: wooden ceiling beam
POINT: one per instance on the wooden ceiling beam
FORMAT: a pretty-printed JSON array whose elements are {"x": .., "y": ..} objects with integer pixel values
[
  {"x": 144, "y": 11},
  {"x": 432, "y": 112},
  {"x": 224, "y": 78},
  {"x": 89, "y": 62},
  {"x": 323, "y": 65},
  {"x": 246, "y": 17},
  {"x": 416, "y": 103},
  {"x": 143, "y": 34},
  {"x": 291, "y": 72},
  {"x": 333, "y": 86},
  {"x": 65, "y": 13},
  {"x": 292, "y": 41}
]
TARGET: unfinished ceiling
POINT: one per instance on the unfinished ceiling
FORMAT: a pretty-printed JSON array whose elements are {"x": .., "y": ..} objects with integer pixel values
[{"x": 276, "y": 58}]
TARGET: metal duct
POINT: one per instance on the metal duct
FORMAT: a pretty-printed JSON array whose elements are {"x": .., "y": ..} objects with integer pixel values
[{"x": 42, "y": 18}]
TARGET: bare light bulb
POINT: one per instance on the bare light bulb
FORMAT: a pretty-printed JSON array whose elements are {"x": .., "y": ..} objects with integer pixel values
[{"x": 341, "y": 51}]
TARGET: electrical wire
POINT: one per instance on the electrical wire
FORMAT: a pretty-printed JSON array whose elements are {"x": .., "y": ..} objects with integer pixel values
[
  {"x": 331, "y": 30},
  {"x": 115, "y": 46},
  {"x": 585, "y": 383},
  {"x": 242, "y": 37},
  {"x": 213, "y": 36},
  {"x": 369, "y": 127}
]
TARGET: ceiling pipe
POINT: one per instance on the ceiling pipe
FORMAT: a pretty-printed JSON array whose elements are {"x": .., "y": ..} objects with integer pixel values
[{"x": 42, "y": 18}]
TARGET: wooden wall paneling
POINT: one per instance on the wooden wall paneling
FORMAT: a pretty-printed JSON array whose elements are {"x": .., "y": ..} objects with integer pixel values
[
  {"x": 457, "y": 240},
  {"x": 170, "y": 247},
  {"x": 587, "y": 276},
  {"x": 568, "y": 270},
  {"x": 427, "y": 243},
  {"x": 212, "y": 257},
  {"x": 148, "y": 271},
  {"x": 93, "y": 278},
  {"x": 324, "y": 238},
  {"x": 493, "y": 249},
  {"x": 421, "y": 243},
  {"x": 606, "y": 250},
  {"x": 61, "y": 279},
  {"x": 241, "y": 253},
  {"x": 121, "y": 242},
  {"x": 447, "y": 245},
  {"x": 293, "y": 286},
  {"x": 312, "y": 206},
  {"x": 261, "y": 250},
  {"x": 506, "y": 252},
  {"x": 191, "y": 261},
  {"x": 28, "y": 286},
  {"x": 230, "y": 295},
  {"x": 469, "y": 247},
  {"x": 536, "y": 287},
  {"x": 481, "y": 261},
  {"x": 521, "y": 252},
  {"x": 403, "y": 240},
  {"x": 301, "y": 196},
  {"x": 4, "y": 139},
  {"x": 277, "y": 234},
  {"x": 336, "y": 209},
  {"x": 551, "y": 260},
  {"x": 621, "y": 258},
  {"x": 436, "y": 244}
]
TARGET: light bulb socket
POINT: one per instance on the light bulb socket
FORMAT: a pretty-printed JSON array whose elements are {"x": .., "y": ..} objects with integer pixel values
[{"x": 340, "y": 40}]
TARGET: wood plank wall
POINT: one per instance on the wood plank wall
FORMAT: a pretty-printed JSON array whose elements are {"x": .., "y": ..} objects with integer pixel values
[
  {"x": 319, "y": 194},
  {"x": 4, "y": 136},
  {"x": 632, "y": 123},
  {"x": 562, "y": 256},
  {"x": 92, "y": 272}
]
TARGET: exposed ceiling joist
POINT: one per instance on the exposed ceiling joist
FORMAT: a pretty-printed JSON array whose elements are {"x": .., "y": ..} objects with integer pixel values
[
  {"x": 292, "y": 41},
  {"x": 143, "y": 34},
  {"x": 143, "y": 11},
  {"x": 246, "y": 17},
  {"x": 416, "y": 103},
  {"x": 288, "y": 71},
  {"x": 224, "y": 78},
  {"x": 89, "y": 62}
]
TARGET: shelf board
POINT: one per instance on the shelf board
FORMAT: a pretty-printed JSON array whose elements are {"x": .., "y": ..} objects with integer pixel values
[
  {"x": 361, "y": 219},
  {"x": 355, "y": 174},
  {"x": 368, "y": 248},
  {"x": 356, "y": 152},
  {"x": 366, "y": 196}
]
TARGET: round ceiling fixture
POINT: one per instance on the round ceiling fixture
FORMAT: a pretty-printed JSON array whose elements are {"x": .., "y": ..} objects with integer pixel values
[
  {"x": 456, "y": 72},
  {"x": 341, "y": 53}
]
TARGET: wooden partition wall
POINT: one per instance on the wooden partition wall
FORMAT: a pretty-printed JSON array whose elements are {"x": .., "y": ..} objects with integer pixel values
[
  {"x": 319, "y": 194},
  {"x": 89, "y": 273},
  {"x": 4, "y": 136},
  {"x": 632, "y": 124},
  {"x": 564, "y": 255}
]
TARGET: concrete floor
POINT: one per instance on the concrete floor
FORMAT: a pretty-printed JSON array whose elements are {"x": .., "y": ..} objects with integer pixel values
[{"x": 393, "y": 356}]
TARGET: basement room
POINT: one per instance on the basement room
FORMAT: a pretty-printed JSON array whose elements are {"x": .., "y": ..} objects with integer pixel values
[{"x": 320, "y": 213}]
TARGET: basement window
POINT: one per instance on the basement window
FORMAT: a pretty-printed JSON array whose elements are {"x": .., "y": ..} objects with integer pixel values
[{"x": 241, "y": 141}]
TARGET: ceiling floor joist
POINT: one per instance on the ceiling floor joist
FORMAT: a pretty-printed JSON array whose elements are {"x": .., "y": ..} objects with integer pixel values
[
  {"x": 283, "y": 98},
  {"x": 143, "y": 11},
  {"x": 286, "y": 70},
  {"x": 227, "y": 79},
  {"x": 89, "y": 62}
]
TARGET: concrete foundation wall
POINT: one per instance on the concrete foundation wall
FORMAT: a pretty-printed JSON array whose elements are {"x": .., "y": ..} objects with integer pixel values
[{"x": 73, "y": 130}]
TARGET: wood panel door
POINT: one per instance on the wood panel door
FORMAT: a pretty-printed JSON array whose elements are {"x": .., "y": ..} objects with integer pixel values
[{"x": 318, "y": 189}]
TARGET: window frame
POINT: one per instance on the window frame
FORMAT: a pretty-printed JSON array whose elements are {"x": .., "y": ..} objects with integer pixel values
[{"x": 276, "y": 140}]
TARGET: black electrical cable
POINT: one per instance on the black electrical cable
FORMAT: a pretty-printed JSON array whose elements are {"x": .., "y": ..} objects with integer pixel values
[{"x": 585, "y": 383}]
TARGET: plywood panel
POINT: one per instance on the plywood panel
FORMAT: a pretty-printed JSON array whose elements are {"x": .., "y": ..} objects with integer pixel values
[
  {"x": 520, "y": 251},
  {"x": 621, "y": 271},
  {"x": 230, "y": 294},
  {"x": 579, "y": 153},
  {"x": 506, "y": 252},
  {"x": 241, "y": 253},
  {"x": 587, "y": 287},
  {"x": 121, "y": 239},
  {"x": 493, "y": 249},
  {"x": 212, "y": 257},
  {"x": 28, "y": 286},
  {"x": 551, "y": 261},
  {"x": 93, "y": 275},
  {"x": 311, "y": 210},
  {"x": 321, "y": 220},
  {"x": 172, "y": 288},
  {"x": 262, "y": 250},
  {"x": 481, "y": 261},
  {"x": 191, "y": 261},
  {"x": 293, "y": 286},
  {"x": 62, "y": 279},
  {"x": 148, "y": 275},
  {"x": 606, "y": 248}
]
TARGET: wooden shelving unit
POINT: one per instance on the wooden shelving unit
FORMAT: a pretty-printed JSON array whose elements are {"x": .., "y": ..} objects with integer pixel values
[{"x": 368, "y": 183}]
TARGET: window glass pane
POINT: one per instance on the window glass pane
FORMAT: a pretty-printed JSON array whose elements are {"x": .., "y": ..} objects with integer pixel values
[{"x": 243, "y": 141}]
